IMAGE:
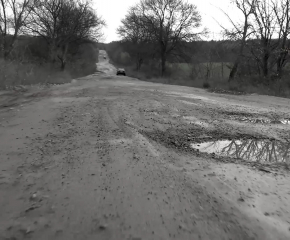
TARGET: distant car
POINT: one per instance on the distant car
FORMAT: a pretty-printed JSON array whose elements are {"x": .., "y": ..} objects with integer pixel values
[{"x": 121, "y": 71}]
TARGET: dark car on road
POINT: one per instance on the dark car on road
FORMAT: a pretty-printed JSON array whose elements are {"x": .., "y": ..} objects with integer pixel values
[{"x": 121, "y": 71}]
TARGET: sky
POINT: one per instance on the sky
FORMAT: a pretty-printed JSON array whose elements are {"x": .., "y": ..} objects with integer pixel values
[{"x": 113, "y": 11}]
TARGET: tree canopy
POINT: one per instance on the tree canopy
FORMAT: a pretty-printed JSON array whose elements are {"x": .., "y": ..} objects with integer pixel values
[{"x": 166, "y": 23}]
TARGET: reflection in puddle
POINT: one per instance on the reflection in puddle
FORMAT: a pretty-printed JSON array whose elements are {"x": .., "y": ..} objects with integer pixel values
[
  {"x": 264, "y": 151},
  {"x": 285, "y": 121},
  {"x": 260, "y": 120}
]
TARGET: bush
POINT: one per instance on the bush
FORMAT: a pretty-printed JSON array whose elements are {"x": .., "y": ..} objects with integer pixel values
[
  {"x": 206, "y": 85},
  {"x": 28, "y": 63},
  {"x": 17, "y": 73}
]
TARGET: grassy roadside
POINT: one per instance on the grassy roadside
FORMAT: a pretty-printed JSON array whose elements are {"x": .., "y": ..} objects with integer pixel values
[
  {"x": 183, "y": 76},
  {"x": 29, "y": 66}
]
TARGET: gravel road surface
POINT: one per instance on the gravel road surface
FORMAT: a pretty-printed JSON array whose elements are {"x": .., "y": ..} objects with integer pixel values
[{"x": 111, "y": 157}]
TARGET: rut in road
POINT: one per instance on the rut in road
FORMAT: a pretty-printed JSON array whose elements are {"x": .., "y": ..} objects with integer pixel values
[{"x": 78, "y": 166}]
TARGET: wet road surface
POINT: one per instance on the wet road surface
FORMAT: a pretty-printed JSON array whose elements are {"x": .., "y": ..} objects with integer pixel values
[{"x": 80, "y": 162}]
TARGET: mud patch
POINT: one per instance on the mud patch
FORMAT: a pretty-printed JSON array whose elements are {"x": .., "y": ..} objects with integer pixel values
[
  {"x": 223, "y": 91},
  {"x": 196, "y": 121},
  {"x": 262, "y": 151},
  {"x": 188, "y": 96},
  {"x": 189, "y": 103},
  {"x": 69, "y": 99}
]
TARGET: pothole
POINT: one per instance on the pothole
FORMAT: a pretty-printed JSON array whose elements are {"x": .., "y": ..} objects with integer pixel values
[
  {"x": 262, "y": 151},
  {"x": 245, "y": 119}
]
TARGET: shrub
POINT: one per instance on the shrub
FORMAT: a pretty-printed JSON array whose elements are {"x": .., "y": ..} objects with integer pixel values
[
  {"x": 206, "y": 85},
  {"x": 17, "y": 73},
  {"x": 28, "y": 63}
]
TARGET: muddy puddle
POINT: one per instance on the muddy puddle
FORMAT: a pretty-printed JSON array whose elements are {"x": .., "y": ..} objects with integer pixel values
[
  {"x": 263, "y": 151},
  {"x": 285, "y": 121}
]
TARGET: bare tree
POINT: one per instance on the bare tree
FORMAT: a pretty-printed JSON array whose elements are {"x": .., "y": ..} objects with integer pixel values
[
  {"x": 282, "y": 10},
  {"x": 265, "y": 26},
  {"x": 63, "y": 22},
  {"x": 168, "y": 23},
  {"x": 13, "y": 15},
  {"x": 136, "y": 40},
  {"x": 240, "y": 31}
]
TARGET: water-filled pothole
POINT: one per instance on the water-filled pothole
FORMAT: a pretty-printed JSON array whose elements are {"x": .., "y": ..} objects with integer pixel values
[
  {"x": 263, "y": 151},
  {"x": 260, "y": 120}
]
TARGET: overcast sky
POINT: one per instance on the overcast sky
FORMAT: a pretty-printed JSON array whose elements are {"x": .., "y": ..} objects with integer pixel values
[{"x": 115, "y": 10}]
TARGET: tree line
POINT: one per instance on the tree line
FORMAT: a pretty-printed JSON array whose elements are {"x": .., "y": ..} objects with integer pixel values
[
  {"x": 263, "y": 36},
  {"x": 60, "y": 23},
  {"x": 162, "y": 26},
  {"x": 164, "y": 29}
]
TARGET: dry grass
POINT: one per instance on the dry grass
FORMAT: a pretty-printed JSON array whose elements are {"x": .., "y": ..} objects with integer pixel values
[
  {"x": 15, "y": 73},
  {"x": 29, "y": 64},
  {"x": 180, "y": 75}
]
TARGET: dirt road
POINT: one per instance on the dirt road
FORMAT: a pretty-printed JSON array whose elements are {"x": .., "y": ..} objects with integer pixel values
[{"x": 110, "y": 157}]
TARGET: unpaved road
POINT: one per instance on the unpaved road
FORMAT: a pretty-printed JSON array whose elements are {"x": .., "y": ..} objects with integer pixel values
[{"x": 107, "y": 157}]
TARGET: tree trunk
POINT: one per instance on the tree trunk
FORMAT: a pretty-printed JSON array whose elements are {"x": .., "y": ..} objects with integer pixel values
[
  {"x": 280, "y": 62},
  {"x": 139, "y": 63},
  {"x": 234, "y": 70},
  {"x": 241, "y": 50},
  {"x": 5, "y": 52},
  {"x": 62, "y": 57},
  {"x": 63, "y": 63},
  {"x": 207, "y": 71},
  {"x": 249, "y": 68},
  {"x": 52, "y": 52},
  {"x": 9, "y": 46},
  {"x": 279, "y": 65},
  {"x": 265, "y": 64},
  {"x": 163, "y": 64}
]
